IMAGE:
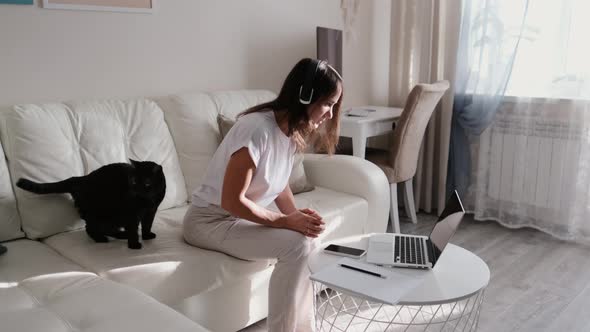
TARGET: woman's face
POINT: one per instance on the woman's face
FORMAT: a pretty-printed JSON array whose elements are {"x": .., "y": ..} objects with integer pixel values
[{"x": 321, "y": 110}]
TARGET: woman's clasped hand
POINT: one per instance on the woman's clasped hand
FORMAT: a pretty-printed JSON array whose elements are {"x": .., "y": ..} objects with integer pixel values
[{"x": 305, "y": 221}]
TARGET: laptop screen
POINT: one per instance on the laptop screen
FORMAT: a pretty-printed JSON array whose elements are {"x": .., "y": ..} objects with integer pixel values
[{"x": 447, "y": 224}]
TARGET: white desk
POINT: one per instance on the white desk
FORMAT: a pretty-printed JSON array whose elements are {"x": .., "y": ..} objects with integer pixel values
[
  {"x": 359, "y": 128},
  {"x": 449, "y": 297}
]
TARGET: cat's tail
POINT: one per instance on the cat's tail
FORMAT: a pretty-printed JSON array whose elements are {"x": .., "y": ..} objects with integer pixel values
[{"x": 60, "y": 187}]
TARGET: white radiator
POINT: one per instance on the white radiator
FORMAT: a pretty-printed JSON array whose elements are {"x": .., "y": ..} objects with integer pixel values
[{"x": 531, "y": 161}]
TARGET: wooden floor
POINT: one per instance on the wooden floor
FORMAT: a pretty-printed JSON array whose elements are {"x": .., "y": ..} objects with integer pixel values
[{"x": 537, "y": 283}]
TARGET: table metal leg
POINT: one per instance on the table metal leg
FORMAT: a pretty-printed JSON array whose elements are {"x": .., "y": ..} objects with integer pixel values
[{"x": 338, "y": 311}]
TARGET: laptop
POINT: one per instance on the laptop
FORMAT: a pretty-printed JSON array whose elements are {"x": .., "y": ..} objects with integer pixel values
[{"x": 417, "y": 251}]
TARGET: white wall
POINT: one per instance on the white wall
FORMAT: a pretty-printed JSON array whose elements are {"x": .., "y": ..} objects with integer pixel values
[{"x": 186, "y": 45}]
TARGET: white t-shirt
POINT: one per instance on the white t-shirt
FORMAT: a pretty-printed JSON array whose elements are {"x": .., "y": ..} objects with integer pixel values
[{"x": 271, "y": 150}]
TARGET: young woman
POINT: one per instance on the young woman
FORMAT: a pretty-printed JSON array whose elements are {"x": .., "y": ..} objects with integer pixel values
[{"x": 250, "y": 170}]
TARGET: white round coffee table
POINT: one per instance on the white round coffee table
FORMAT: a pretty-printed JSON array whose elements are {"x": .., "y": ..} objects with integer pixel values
[{"x": 448, "y": 299}]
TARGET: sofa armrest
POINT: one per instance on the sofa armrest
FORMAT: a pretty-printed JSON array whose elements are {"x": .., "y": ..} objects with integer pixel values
[{"x": 353, "y": 176}]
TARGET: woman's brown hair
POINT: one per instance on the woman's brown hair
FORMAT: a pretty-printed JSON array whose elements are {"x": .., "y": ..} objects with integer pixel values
[{"x": 325, "y": 84}]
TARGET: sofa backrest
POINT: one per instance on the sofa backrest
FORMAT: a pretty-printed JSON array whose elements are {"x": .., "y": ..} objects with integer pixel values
[
  {"x": 9, "y": 218},
  {"x": 52, "y": 142},
  {"x": 231, "y": 103},
  {"x": 192, "y": 118}
]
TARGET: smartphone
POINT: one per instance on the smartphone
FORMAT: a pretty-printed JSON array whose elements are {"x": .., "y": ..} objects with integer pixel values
[{"x": 344, "y": 251}]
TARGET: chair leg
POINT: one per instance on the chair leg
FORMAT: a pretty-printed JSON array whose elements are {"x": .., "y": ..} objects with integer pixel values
[
  {"x": 409, "y": 201},
  {"x": 393, "y": 213}
]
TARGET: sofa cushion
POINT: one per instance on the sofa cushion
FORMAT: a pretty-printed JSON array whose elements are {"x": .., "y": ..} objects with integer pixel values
[
  {"x": 166, "y": 268},
  {"x": 170, "y": 270},
  {"x": 52, "y": 142},
  {"x": 192, "y": 118},
  {"x": 192, "y": 121},
  {"x": 231, "y": 103},
  {"x": 195, "y": 281},
  {"x": 42, "y": 291},
  {"x": 27, "y": 258},
  {"x": 10, "y": 222},
  {"x": 297, "y": 180}
]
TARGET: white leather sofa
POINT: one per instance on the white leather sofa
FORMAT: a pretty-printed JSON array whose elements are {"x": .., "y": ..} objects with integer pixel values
[{"x": 55, "y": 278}]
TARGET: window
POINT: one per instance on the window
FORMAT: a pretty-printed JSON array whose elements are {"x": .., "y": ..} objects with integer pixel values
[{"x": 553, "y": 57}]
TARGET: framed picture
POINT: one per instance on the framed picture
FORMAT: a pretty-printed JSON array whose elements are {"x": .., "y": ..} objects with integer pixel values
[
  {"x": 17, "y": 2},
  {"x": 128, "y": 6}
]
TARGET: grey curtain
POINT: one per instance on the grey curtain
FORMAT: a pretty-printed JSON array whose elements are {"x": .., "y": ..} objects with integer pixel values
[{"x": 424, "y": 37}]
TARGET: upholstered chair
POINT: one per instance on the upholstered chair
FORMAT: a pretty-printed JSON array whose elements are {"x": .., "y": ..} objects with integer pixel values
[{"x": 400, "y": 161}]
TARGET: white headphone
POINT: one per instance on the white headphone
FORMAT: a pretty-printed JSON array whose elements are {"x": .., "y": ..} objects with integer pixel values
[{"x": 306, "y": 89}]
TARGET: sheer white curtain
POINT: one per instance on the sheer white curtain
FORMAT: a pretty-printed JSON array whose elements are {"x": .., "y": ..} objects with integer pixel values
[{"x": 531, "y": 166}]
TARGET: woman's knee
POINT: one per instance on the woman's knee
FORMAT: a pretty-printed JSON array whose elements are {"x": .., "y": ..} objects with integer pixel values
[{"x": 298, "y": 244}]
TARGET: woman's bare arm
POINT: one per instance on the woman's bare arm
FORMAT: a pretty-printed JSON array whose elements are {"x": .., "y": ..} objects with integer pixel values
[
  {"x": 285, "y": 201},
  {"x": 237, "y": 179}
]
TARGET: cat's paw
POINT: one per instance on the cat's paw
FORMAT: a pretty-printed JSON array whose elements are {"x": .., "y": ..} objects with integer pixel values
[
  {"x": 136, "y": 245},
  {"x": 148, "y": 236}
]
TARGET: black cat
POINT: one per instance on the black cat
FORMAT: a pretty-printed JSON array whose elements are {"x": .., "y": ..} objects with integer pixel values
[{"x": 114, "y": 197}]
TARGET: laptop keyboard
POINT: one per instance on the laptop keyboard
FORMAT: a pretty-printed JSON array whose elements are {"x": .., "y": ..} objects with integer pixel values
[{"x": 410, "y": 250}]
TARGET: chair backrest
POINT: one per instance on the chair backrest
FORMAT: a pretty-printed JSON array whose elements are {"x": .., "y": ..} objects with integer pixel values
[{"x": 409, "y": 130}]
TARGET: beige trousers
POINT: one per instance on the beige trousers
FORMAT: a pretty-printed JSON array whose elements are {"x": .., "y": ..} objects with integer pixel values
[{"x": 290, "y": 303}]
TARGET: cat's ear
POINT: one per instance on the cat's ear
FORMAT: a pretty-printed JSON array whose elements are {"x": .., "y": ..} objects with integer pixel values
[
  {"x": 153, "y": 166},
  {"x": 133, "y": 162},
  {"x": 157, "y": 168}
]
